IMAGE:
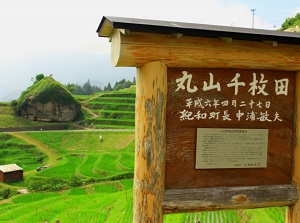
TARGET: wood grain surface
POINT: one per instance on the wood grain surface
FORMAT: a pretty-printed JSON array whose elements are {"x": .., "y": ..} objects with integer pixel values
[
  {"x": 229, "y": 198},
  {"x": 181, "y": 133},
  {"x": 149, "y": 168},
  {"x": 138, "y": 48},
  {"x": 293, "y": 212}
]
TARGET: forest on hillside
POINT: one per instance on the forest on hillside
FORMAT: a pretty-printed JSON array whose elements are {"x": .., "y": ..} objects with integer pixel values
[{"x": 87, "y": 88}]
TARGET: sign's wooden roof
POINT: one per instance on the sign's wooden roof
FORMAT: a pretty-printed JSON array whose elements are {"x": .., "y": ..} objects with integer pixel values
[
  {"x": 108, "y": 23},
  {"x": 10, "y": 168}
]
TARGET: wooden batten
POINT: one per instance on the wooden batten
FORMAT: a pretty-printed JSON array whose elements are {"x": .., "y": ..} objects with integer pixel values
[
  {"x": 228, "y": 198},
  {"x": 150, "y": 127},
  {"x": 138, "y": 48}
]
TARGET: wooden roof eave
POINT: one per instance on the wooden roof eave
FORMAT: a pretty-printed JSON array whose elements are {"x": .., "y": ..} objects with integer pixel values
[{"x": 233, "y": 48}]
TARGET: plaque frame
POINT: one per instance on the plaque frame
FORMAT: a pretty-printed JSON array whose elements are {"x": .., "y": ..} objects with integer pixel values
[{"x": 239, "y": 148}]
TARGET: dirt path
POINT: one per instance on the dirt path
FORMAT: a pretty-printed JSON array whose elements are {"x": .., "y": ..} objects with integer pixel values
[
  {"x": 90, "y": 111},
  {"x": 93, "y": 114},
  {"x": 92, "y": 98},
  {"x": 52, "y": 155}
]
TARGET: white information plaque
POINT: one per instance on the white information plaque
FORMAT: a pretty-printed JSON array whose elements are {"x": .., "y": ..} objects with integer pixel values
[{"x": 231, "y": 148}]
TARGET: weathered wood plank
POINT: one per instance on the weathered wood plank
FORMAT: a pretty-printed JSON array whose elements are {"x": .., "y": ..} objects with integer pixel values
[
  {"x": 149, "y": 173},
  {"x": 181, "y": 132},
  {"x": 136, "y": 49},
  {"x": 224, "y": 198},
  {"x": 293, "y": 212}
]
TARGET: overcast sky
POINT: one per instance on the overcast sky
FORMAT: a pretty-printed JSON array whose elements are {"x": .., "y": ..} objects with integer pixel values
[{"x": 36, "y": 27}]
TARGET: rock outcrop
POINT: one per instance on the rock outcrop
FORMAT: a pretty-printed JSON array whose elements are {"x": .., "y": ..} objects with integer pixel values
[
  {"x": 49, "y": 101},
  {"x": 50, "y": 111}
]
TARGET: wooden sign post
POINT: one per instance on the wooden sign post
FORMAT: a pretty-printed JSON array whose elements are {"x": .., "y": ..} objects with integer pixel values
[
  {"x": 217, "y": 116},
  {"x": 150, "y": 128}
]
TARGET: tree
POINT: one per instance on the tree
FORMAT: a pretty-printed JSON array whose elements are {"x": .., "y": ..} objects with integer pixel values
[
  {"x": 122, "y": 84},
  {"x": 108, "y": 88},
  {"x": 39, "y": 77},
  {"x": 87, "y": 88},
  {"x": 95, "y": 89},
  {"x": 127, "y": 84},
  {"x": 117, "y": 87},
  {"x": 291, "y": 22},
  {"x": 71, "y": 87}
]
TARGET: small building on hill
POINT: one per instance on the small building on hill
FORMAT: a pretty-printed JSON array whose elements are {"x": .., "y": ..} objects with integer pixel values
[{"x": 10, "y": 172}]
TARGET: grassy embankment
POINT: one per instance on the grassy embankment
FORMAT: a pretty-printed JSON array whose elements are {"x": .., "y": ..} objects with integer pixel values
[
  {"x": 8, "y": 120},
  {"x": 113, "y": 111}
]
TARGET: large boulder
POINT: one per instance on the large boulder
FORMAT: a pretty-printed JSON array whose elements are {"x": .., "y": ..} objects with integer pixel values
[{"x": 48, "y": 100}]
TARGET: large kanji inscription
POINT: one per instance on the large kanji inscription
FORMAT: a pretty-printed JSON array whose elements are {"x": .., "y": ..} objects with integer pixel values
[{"x": 228, "y": 99}]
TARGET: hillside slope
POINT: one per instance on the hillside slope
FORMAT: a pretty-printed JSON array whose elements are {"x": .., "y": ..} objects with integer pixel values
[
  {"x": 47, "y": 100},
  {"x": 115, "y": 110}
]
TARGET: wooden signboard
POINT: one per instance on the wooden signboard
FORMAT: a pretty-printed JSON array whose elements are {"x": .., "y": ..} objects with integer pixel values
[
  {"x": 217, "y": 116},
  {"x": 234, "y": 100}
]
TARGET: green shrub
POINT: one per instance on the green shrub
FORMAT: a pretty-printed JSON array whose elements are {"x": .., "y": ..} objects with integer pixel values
[
  {"x": 74, "y": 181},
  {"x": 4, "y": 194},
  {"x": 46, "y": 184},
  {"x": 5, "y": 137}
]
